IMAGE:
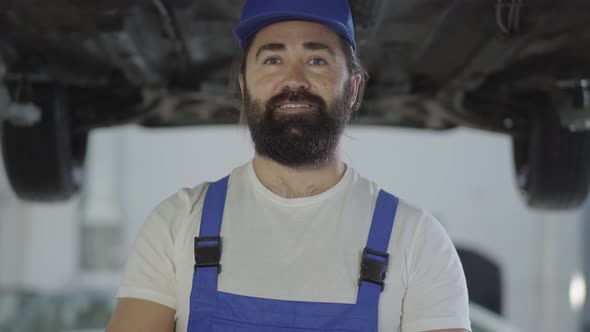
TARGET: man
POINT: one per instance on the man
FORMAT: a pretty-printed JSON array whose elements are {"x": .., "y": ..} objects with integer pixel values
[{"x": 295, "y": 240}]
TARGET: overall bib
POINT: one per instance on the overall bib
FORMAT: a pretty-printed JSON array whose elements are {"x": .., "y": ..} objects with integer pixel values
[{"x": 215, "y": 311}]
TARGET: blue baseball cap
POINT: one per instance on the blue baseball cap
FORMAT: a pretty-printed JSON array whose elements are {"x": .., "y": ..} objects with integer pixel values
[{"x": 334, "y": 14}]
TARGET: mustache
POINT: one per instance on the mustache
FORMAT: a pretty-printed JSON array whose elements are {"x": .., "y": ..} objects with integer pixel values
[{"x": 299, "y": 95}]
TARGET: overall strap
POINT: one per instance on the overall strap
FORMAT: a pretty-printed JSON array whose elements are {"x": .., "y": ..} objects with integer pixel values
[
  {"x": 208, "y": 244},
  {"x": 375, "y": 258},
  {"x": 213, "y": 208}
]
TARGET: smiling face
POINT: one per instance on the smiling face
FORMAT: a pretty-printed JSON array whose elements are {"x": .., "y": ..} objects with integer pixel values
[{"x": 298, "y": 92}]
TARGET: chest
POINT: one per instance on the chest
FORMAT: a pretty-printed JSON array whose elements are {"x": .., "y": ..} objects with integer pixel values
[{"x": 311, "y": 255}]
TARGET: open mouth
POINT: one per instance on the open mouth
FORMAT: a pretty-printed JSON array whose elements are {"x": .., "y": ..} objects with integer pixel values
[
  {"x": 285, "y": 106},
  {"x": 295, "y": 107}
]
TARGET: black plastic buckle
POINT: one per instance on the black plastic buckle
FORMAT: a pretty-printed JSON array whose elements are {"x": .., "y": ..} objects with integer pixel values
[
  {"x": 373, "y": 270},
  {"x": 207, "y": 254}
]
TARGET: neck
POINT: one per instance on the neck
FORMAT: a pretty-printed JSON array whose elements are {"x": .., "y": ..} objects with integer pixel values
[{"x": 290, "y": 182}]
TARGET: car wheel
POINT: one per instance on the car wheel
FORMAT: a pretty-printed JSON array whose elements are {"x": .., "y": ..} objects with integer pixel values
[
  {"x": 552, "y": 163},
  {"x": 44, "y": 161}
]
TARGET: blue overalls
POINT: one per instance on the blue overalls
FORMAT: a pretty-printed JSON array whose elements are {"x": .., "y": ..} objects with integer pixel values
[{"x": 215, "y": 311}]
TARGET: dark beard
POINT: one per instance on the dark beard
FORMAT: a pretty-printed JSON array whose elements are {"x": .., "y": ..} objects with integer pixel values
[{"x": 306, "y": 139}]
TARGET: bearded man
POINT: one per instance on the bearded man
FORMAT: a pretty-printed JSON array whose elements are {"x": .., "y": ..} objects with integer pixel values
[{"x": 294, "y": 240}]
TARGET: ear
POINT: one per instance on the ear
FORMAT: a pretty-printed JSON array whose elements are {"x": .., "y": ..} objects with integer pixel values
[
  {"x": 241, "y": 81},
  {"x": 356, "y": 83}
]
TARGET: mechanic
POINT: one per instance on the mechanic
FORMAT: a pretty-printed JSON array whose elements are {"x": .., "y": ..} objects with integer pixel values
[{"x": 294, "y": 240}]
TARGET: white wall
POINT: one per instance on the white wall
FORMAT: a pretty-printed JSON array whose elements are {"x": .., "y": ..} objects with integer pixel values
[
  {"x": 13, "y": 231},
  {"x": 52, "y": 246},
  {"x": 38, "y": 242},
  {"x": 463, "y": 177},
  {"x": 561, "y": 255}
]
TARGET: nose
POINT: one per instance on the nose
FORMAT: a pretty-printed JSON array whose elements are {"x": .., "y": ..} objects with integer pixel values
[{"x": 296, "y": 78}]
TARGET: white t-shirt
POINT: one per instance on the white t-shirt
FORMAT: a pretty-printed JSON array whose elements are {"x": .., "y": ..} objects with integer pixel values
[{"x": 302, "y": 249}]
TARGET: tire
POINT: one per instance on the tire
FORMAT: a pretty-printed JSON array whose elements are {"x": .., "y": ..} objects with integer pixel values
[
  {"x": 44, "y": 162},
  {"x": 552, "y": 164}
]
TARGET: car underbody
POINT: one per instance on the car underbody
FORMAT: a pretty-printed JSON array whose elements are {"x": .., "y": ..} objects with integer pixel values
[{"x": 516, "y": 67}]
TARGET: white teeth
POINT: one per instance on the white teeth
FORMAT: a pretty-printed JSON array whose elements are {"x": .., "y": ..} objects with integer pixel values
[{"x": 294, "y": 106}]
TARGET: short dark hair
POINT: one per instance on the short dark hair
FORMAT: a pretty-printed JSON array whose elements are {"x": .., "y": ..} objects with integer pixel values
[{"x": 352, "y": 59}]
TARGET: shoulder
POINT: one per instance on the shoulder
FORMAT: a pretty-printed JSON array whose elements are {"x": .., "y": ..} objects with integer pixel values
[
  {"x": 428, "y": 250},
  {"x": 150, "y": 270},
  {"x": 183, "y": 201},
  {"x": 410, "y": 219},
  {"x": 419, "y": 221},
  {"x": 416, "y": 228},
  {"x": 178, "y": 212},
  {"x": 406, "y": 211}
]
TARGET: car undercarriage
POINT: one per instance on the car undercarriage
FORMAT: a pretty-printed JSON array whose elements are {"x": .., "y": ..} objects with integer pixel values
[{"x": 516, "y": 67}]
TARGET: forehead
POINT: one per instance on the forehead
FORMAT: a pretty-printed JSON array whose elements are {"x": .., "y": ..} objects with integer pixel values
[{"x": 296, "y": 32}]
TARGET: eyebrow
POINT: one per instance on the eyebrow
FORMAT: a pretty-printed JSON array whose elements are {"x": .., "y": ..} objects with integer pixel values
[
  {"x": 312, "y": 46},
  {"x": 316, "y": 46},
  {"x": 270, "y": 47}
]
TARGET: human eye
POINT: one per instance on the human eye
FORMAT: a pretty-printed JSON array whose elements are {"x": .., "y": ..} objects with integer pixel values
[
  {"x": 272, "y": 61},
  {"x": 318, "y": 62}
]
